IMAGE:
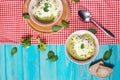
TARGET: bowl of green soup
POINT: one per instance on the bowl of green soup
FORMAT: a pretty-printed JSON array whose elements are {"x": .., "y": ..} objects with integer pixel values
[
  {"x": 45, "y": 12},
  {"x": 82, "y": 47}
]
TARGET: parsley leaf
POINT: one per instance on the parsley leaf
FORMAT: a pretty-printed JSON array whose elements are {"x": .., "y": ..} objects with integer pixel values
[
  {"x": 46, "y": 7},
  {"x": 26, "y": 43},
  {"x": 65, "y": 24},
  {"x": 52, "y": 57},
  {"x": 107, "y": 54},
  {"x": 92, "y": 30},
  {"x": 41, "y": 46},
  {"x": 82, "y": 46},
  {"x": 13, "y": 51},
  {"x": 26, "y": 16},
  {"x": 76, "y": 0},
  {"x": 56, "y": 28}
]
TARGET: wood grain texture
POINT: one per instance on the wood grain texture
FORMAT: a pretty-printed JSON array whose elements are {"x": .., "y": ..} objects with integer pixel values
[
  {"x": 30, "y": 64},
  {"x": 2, "y": 63}
]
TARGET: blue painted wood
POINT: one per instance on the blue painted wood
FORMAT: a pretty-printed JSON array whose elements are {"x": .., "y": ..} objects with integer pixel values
[
  {"x": 47, "y": 68},
  {"x": 30, "y": 64},
  {"x": 14, "y": 64},
  {"x": 2, "y": 63}
]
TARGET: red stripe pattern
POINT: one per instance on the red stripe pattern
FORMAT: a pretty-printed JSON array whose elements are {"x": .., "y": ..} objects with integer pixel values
[{"x": 107, "y": 12}]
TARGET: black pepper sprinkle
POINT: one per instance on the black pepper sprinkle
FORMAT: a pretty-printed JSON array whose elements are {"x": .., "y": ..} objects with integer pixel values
[{"x": 33, "y": 7}]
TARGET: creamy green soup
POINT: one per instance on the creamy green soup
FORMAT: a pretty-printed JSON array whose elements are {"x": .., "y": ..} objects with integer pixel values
[
  {"x": 81, "y": 47},
  {"x": 47, "y": 11}
]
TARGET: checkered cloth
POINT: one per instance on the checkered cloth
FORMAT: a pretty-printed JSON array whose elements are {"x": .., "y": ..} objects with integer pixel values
[{"x": 107, "y": 12}]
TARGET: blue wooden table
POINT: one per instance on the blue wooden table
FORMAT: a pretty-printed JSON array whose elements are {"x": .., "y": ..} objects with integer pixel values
[{"x": 30, "y": 64}]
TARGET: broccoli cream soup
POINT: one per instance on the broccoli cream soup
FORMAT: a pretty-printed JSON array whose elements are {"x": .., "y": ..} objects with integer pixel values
[
  {"x": 47, "y": 11},
  {"x": 81, "y": 46}
]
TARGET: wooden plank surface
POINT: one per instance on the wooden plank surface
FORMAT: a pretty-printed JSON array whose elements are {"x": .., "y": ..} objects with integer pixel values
[
  {"x": 2, "y": 62},
  {"x": 30, "y": 64},
  {"x": 14, "y": 64}
]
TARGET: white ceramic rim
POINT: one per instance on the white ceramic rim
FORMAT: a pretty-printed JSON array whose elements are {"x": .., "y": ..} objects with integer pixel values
[
  {"x": 39, "y": 23},
  {"x": 89, "y": 60}
]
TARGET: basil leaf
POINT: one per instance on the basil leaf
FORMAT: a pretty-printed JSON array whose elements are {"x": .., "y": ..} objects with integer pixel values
[
  {"x": 55, "y": 58},
  {"x": 51, "y": 54},
  {"x": 107, "y": 54},
  {"x": 46, "y": 5},
  {"x": 65, "y": 24},
  {"x": 26, "y": 16},
  {"x": 46, "y": 9},
  {"x": 56, "y": 28},
  {"x": 76, "y": 0},
  {"x": 13, "y": 51},
  {"x": 26, "y": 43},
  {"x": 82, "y": 46},
  {"x": 92, "y": 30},
  {"x": 52, "y": 57}
]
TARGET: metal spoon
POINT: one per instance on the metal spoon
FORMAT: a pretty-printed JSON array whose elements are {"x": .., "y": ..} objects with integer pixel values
[{"x": 85, "y": 16}]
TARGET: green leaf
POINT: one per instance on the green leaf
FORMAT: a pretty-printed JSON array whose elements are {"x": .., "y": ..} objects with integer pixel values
[
  {"x": 76, "y": 0},
  {"x": 55, "y": 58},
  {"x": 46, "y": 9},
  {"x": 56, "y": 28},
  {"x": 38, "y": 40},
  {"x": 107, "y": 54},
  {"x": 41, "y": 46},
  {"x": 65, "y": 24},
  {"x": 13, "y": 51},
  {"x": 46, "y": 5},
  {"x": 26, "y": 43},
  {"x": 26, "y": 16},
  {"x": 52, "y": 57},
  {"x": 51, "y": 54},
  {"x": 92, "y": 30},
  {"x": 82, "y": 46}
]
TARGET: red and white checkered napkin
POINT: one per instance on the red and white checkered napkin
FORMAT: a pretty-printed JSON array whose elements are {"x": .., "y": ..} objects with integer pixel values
[{"x": 106, "y": 12}]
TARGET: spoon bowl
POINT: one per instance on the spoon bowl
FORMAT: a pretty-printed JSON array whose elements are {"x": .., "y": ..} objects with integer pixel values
[{"x": 85, "y": 15}]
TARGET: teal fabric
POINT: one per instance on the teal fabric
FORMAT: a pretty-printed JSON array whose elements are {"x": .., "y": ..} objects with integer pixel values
[{"x": 30, "y": 64}]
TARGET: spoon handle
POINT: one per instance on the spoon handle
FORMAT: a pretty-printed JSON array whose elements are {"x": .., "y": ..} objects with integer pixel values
[{"x": 103, "y": 29}]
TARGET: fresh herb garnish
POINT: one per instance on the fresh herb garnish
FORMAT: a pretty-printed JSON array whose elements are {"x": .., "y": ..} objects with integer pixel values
[
  {"x": 26, "y": 43},
  {"x": 56, "y": 28},
  {"x": 46, "y": 7},
  {"x": 65, "y": 24},
  {"x": 92, "y": 30},
  {"x": 82, "y": 46},
  {"x": 107, "y": 54},
  {"x": 76, "y": 0},
  {"x": 13, "y": 51},
  {"x": 26, "y": 15},
  {"x": 52, "y": 57},
  {"x": 41, "y": 46}
]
